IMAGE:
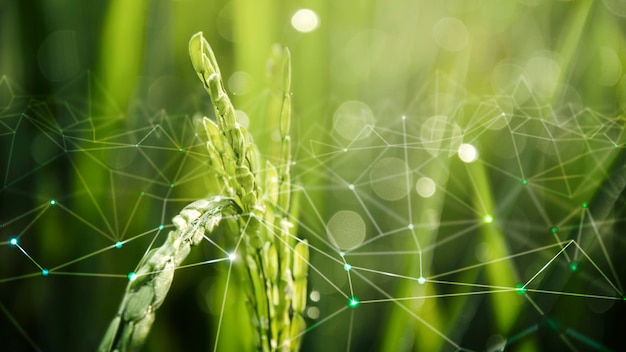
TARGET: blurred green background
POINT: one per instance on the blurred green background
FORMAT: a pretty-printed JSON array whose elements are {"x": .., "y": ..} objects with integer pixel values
[{"x": 106, "y": 72}]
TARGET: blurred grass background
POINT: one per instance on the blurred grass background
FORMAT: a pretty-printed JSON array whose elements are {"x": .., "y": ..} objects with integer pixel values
[{"x": 120, "y": 64}]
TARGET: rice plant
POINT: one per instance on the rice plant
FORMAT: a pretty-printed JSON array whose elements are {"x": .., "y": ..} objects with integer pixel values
[{"x": 255, "y": 202}]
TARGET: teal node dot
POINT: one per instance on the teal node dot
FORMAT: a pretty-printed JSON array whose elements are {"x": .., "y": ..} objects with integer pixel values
[
  {"x": 347, "y": 267},
  {"x": 132, "y": 276},
  {"x": 13, "y": 241},
  {"x": 161, "y": 227},
  {"x": 53, "y": 202},
  {"x": 573, "y": 266},
  {"x": 421, "y": 280},
  {"x": 554, "y": 229},
  {"x": 118, "y": 244},
  {"x": 520, "y": 289},
  {"x": 585, "y": 205},
  {"x": 45, "y": 272},
  {"x": 353, "y": 302},
  {"x": 524, "y": 182}
]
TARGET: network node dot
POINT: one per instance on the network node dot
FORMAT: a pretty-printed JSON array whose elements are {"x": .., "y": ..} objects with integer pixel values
[
  {"x": 342, "y": 254},
  {"x": 181, "y": 149},
  {"x": 573, "y": 266},
  {"x": 161, "y": 227},
  {"x": 585, "y": 205},
  {"x": 403, "y": 117},
  {"x": 353, "y": 302},
  {"x": 421, "y": 280},
  {"x": 136, "y": 145},
  {"x": 554, "y": 229},
  {"x": 13, "y": 241},
  {"x": 524, "y": 182},
  {"x": 118, "y": 244},
  {"x": 410, "y": 227},
  {"x": 520, "y": 289},
  {"x": 345, "y": 150},
  {"x": 53, "y": 202},
  {"x": 488, "y": 219},
  {"x": 142, "y": 194},
  {"x": 45, "y": 272},
  {"x": 351, "y": 187},
  {"x": 172, "y": 185},
  {"x": 232, "y": 256},
  {"x": 347, "y": 267},
  {"x": 132, "y": 276}
]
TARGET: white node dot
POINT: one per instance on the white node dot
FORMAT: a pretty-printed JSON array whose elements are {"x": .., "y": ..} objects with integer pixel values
[
  {"x": 467, "y": 153},
  {"x": 305, "y": 20},
  {"x": 232, "y": 256},
  {"x": 351, "y": 187},
  {"x": 421, "y": 280},
  {"x": 411, "y": 227}
]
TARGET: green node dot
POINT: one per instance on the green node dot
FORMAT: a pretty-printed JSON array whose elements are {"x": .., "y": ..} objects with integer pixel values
[
  {"x": 573, "y": 266},
  {"x": 181, "y": 149},
  {"x": 118, "y": 244},
  {"x": 554, "y": 229},
  {"x": 53, "y": 202},
  {"x": 136, "y": 145},
  {"x": 353, "y": 302},
  {"x": 524, "y": 182},
  {"x": 45, "y": 272},
  {"x": 347, "y": 267},
  {"x": 520, "y": 289},
  {"x": 13, "y": 241},
  {"x": 172, "y": 185},
  {"x": 585, "y": 205},
  {"x": 142, "y": 194},
  {"x": 161, "y": 227},
  {"x": 132, "y": 276}
]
